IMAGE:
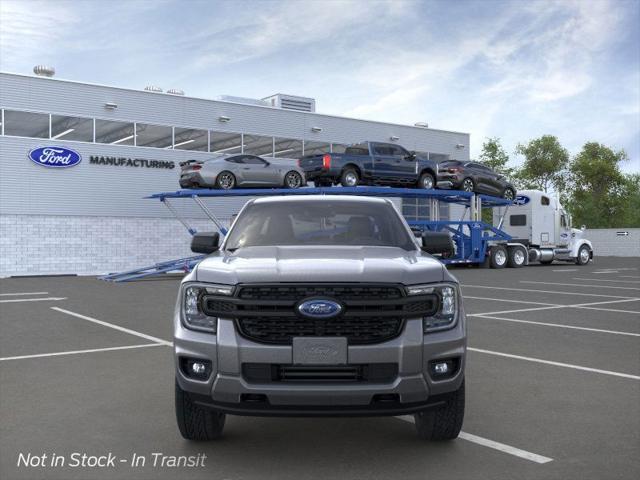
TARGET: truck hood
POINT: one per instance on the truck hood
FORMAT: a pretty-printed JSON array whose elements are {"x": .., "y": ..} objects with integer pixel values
[{"x": 321, "y": 264}]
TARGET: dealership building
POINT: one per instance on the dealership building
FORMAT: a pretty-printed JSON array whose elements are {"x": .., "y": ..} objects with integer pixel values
[{"x": 92, "y": 217}]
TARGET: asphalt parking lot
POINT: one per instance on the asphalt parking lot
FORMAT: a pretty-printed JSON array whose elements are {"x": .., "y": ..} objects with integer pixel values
[{"x": 553, "y": 387}]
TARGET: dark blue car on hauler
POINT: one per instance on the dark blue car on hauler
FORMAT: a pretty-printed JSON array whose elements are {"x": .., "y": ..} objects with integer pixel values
[{"x": 371, "y": 163}]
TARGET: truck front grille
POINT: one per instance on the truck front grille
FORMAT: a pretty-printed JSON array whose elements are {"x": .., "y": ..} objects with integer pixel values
[
  {"x": 372, "y": 313},
  {"x": 267, "y": 373}
]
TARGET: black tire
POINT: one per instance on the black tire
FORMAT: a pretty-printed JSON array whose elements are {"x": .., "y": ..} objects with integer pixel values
[
  {"x": 293, "y": 180},
  {"x": 584, "y": 255},
  {"x": 509, "y": 194},
  {"x": 517, "y": 257},
  {"x": 196, "y": 422},
  {"x": 349, "y": 177},
  {"x": 427, "y": 181},
  {"x": 468, "y": 185},
  {"x": 498, "y": 257},
  {"x": 225, "y": 180},
  {"x": 443, "y": 423}
]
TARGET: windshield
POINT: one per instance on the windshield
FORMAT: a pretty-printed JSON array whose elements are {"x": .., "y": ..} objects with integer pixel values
[{"x": 319, "y": 222}]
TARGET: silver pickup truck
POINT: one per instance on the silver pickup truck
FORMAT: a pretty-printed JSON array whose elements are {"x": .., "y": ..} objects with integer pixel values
[{"x": 319, "y": 306}]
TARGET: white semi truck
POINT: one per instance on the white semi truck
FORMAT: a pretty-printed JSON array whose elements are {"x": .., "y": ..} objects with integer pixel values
[{"x": 541, "y": 232}]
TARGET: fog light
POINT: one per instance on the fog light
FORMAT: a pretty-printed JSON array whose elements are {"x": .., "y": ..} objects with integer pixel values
[
  {"x": 444, "y": 368},
  {"x": 439, "y": 368},
  {"x": 199, "y": 368},
  {"x": 195, "y": 368}
]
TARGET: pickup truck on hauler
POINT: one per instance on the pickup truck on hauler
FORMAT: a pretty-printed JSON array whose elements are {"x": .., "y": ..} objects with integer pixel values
[
  {"x": 371, "y": 163},
  {"x": 319, "y": 306}
]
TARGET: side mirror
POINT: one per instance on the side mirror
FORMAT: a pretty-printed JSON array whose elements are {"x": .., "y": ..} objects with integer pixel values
[
  {"x": 411, "y": 156},
  {"x": 438, "y": 243},
  {"x": 207, "y": 242}
]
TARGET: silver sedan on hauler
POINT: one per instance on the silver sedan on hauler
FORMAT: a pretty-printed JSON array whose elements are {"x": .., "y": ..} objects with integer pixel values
[{"x": 231, "y": 171}]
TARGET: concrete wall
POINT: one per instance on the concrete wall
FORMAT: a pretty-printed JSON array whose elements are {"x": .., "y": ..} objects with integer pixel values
[{"x": 608, "y": 242}]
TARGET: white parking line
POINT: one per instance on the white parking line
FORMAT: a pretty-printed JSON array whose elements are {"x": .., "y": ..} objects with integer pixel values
[
  {"x": 115, "y": 327},
  {"x": 576, "y": 305},
  {"x": 548, "y": 291},
  {"x": 485, "y": 442},
  {"x": 555, "y": 364},
  {"x": 603, "y": 280},
  {"x": 559, "y": 325},
  {"x": 44, "y": 299},
  {"x": 566, "y": 270},
  {"x": 75, "y": 352},
  {"x": 22, "y": 293},
  {"x": 581, "y": 285},
  {"x": 628, "y": 276},
  {"x": 509, "y": 301}
]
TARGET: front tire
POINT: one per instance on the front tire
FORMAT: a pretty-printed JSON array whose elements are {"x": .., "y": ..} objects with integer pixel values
[
  {"x": 426, "y": 182},
  {"x": 584, "y": 255},
  {"x": 509, "y": 194},
  {"x": 293, "y": 180},
  {"x": 349, "y": 178},
  {"x": 225, "y": 180},
  {"x": 467, "y": 185},
  {"x": 443, "y": 423},
  {"x": 196, "y": 422}
]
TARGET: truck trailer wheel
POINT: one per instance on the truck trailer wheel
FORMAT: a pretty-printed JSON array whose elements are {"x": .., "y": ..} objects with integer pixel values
[
  {"x": 517, "y": 257},
  {"x": 584, "y": 255},
  {"x": 498, "y": 257},
  {"x": 443, "y": 423},
  {"x": 349, "y": 178},
  {"x": 196, "y": 422}
]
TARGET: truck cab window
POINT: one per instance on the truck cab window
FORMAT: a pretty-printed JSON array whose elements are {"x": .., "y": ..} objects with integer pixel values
[{"x": 544, "y": 200}]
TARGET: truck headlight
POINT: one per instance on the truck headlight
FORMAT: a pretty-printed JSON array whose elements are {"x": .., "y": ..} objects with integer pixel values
[
  {"x": 192, "y": 315},
  {"x": 447, "y": 312}
]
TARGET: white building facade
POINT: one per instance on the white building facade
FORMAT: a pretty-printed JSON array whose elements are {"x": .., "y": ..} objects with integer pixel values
[{"x": 92, "y": 217}]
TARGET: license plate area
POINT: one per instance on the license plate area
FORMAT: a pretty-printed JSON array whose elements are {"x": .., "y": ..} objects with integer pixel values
[{"x": 319, "y": 350}]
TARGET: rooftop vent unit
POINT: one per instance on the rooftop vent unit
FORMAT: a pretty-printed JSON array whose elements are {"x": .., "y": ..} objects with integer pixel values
[
  {"x": 175, "y": 91},
  {"x": 291, "y": 102},
  {"x": 243, "y": 100},
  {"x": 44, "y": 71},
  {"x": 153, "y": 88}
]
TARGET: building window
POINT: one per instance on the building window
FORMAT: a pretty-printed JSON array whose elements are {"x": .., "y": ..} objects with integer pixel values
[
  {"x": 287, "y": 148},
  {"x": 258, "y": 145},
  {"x": 71, "y": 128},
  {"x": 156, "y": 136},
  {"x": 115, "y": 133},
  {"x": 419, "y": 209},
  {"x": 226, "y": 143},
  {"x": 26, "y": 124},
  {"x": 191, "y": 139},
  {"x": 316, "y": 148}
]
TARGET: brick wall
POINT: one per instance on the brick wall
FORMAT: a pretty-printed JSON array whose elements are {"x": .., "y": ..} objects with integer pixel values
[{"x": 45, "y": 245}]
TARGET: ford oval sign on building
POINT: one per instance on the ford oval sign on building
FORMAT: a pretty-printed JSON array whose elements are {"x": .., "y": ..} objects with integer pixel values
[
  {"x": 320, "y": 308},
  {"x": 55, "y": 157}
]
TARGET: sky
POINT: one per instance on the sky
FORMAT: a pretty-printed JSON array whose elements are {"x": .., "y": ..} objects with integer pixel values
[{"x": 510, "y": 69}]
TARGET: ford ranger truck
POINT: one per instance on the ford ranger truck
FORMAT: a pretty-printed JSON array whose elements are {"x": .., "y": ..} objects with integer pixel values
[
  {"x": 371, "y": 163},
  {"x": 319, "y": 306}
]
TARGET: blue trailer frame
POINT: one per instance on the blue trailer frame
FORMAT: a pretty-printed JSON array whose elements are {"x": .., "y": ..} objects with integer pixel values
[{"x": 472, "y": 237}]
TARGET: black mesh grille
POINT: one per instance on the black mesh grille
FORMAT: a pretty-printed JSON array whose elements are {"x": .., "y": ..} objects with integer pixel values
[
  {"x": 372, "y": 313},
  {"x": 281, "y": 330}
]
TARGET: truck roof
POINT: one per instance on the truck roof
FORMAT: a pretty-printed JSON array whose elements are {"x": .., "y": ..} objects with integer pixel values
[{"x": 307, "y": 198}]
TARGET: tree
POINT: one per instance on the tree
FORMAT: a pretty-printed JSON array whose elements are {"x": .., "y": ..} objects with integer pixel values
[
  {"x": 599, "y": 194},
  {"x": 494, "y": 156},
  {"x": 545, "y": 163}
]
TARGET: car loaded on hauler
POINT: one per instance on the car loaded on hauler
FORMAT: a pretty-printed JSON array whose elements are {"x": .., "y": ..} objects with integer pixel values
[{"x": 320, "y": 306}]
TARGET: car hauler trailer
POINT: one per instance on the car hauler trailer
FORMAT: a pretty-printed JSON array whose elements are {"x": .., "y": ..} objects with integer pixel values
[{"x": 475, "y": 242}]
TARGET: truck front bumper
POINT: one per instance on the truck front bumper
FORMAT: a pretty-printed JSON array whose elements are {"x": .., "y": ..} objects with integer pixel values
[{"x": 412, "y": 387}]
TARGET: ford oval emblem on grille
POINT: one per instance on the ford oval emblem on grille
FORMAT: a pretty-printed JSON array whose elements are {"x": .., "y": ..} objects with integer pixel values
[{"x": 320, "y": 308}]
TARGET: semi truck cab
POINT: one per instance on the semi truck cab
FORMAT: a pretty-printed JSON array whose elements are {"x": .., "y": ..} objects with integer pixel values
[{"x": 539, "y": 222}]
